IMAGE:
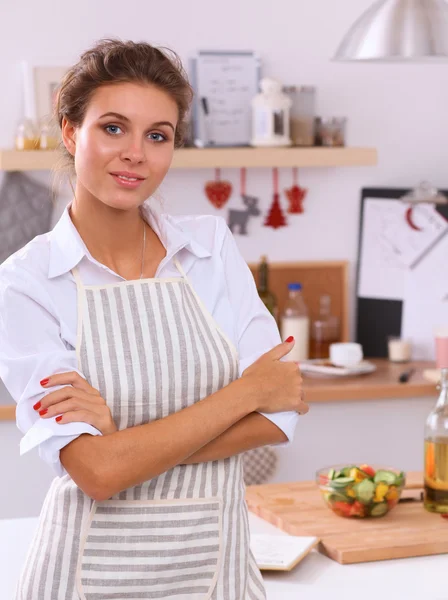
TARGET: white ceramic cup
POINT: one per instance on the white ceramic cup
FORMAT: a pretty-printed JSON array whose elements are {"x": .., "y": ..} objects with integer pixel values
[{"x": 346, "y": 354}]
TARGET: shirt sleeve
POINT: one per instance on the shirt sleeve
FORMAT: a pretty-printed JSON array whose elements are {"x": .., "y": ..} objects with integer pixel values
[
  {"x": 256, "y": 329},
  {"x": 31, "y": 348}
]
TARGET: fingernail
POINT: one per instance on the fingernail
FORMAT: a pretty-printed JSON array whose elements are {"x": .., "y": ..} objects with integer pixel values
[
  {"x": 37, "y": 406},
  {"x": 58, "y": 418},
  {"x": 45, "y": 381},
  {"x": 43, "y": 412},
  {"x": 290, "y": 339}
]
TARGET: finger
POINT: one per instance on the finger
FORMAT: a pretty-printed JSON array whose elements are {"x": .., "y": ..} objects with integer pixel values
[
  {"x": 69, "y": 378},
  {"x": 280, "y": 351},
  {"x": 79, "y": 416},
  {"x": 66, "y": 393},
  {"x": 303, "y": 406},
  {"x": 72, "y": 404}
]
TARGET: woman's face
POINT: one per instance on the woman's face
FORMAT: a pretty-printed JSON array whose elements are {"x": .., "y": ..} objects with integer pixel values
[{"x": 125, "y": 145}]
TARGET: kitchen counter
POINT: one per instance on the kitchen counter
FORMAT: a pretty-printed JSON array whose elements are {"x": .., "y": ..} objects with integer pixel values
[
  {"x": 315, "y": 578},
  {"x": 382, "y": 384}
]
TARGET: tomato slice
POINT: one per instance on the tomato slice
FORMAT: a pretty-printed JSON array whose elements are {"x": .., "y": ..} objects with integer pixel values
[
  {"x": 342, "y": 508},
  {"x": 368, "y": 470}
]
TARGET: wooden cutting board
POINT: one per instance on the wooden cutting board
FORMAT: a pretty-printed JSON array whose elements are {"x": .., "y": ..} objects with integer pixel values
[{"x": 407, "y": 531}]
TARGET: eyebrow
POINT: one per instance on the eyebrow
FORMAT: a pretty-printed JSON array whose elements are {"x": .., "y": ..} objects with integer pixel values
[{"x": 126, "y": 120}]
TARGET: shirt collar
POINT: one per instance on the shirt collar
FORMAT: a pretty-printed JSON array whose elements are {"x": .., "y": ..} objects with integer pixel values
[{"x": 67, "y": 248}]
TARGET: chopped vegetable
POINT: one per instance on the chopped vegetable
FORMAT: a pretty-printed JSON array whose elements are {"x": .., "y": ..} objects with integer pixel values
[
  {"x": 361, "y": 491},
  {"x": 380, "y": 492},
  {"x": 369, "y": 471}
]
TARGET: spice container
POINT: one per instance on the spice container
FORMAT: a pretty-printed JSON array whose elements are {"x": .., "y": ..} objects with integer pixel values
[
  {"x": 49, "y": 138},
  {"x": 330, "y": 132},
  {"x": 27, "y": 138},
  {"x": 303, "y": 99}
]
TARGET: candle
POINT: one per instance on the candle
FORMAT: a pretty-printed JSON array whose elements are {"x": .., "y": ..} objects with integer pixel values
[{"x": 399, "y": 350}]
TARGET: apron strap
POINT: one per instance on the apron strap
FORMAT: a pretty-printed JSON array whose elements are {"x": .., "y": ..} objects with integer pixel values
[
  {"x": 75, "y": 273},
  {"x": 179, "y": 268}
]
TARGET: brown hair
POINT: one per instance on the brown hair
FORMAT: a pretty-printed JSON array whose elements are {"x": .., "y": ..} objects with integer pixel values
[{"x": 112, "y": 61}]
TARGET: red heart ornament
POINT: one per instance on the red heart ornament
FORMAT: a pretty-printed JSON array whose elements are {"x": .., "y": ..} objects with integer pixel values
[{"x": 218, "y": 192}]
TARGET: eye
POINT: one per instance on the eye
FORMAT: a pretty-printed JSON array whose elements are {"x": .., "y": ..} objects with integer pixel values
[
  {"x": 157, "y": 137},
  {"x": 112, "y": 129}
]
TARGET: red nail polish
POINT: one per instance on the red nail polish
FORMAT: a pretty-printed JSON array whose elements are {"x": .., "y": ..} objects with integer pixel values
[
  {"x": 290, "y": 339},
  {"x": 58, "y": 418},
  {"x": 43, "y": 412},
  {"x": 37, "y": 406},
  {"x": 45, "y": 381}
]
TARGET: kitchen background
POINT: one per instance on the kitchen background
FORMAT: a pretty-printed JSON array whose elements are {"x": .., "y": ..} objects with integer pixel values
[{"x": 398, "y": 109}]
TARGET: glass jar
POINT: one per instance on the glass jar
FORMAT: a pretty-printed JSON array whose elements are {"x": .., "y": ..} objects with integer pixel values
[
  {"x": 302, "y": 114},
  {"x": 27, "y": 136},
  {"x": 330, "y": 132},
  {"x": 50, "y": 137},
  {"x": 325, "y": 330}
]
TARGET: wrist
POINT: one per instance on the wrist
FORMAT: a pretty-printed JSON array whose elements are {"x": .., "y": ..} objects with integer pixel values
[{"x": 248, "y": 393}]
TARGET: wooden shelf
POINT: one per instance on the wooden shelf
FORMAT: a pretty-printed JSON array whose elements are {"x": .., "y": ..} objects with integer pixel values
[{"x": 231, "y": 158}]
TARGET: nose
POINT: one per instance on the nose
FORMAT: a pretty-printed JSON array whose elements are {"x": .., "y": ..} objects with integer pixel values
[{"x": 134, "y": 151}]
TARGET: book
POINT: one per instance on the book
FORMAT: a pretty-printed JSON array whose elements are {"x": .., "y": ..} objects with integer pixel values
[{"x": 280, "y": 552}]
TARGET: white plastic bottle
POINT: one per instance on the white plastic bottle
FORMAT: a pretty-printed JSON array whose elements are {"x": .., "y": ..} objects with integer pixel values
[{"x": 295, "y": 321}]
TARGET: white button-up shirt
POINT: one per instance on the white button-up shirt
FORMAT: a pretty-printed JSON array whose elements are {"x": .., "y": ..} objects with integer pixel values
[{"x": 38, "y": 312}]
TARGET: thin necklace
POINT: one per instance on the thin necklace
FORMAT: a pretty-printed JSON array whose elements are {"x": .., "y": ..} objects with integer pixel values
[{"x": 143, "y": 250}]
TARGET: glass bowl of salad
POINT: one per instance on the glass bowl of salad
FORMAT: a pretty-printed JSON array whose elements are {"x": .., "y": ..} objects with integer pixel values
[{"x": 360, "y": 491}]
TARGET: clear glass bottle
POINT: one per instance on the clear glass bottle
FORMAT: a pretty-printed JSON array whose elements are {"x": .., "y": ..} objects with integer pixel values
[
  {"x": 269, "y": 299},
  {"x": 295, "y": 321},
  {"x": 325, "y": 330},
  {"x": 436, "y": 452}
]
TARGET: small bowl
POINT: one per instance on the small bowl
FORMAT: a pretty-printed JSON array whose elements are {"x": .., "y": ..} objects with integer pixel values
[
  {"x": 360, "y": 491},
  {"x": 346, "y": 354}
]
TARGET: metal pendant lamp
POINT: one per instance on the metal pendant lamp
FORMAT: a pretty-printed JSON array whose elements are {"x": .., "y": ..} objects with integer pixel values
[{"x": 398, "y": 30}]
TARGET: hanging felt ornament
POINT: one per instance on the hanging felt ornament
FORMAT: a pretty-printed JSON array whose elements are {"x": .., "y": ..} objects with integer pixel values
[
  {"x": 218, "y": 192},
  {"x": 240, "y": 218},
  {"x": 275, "y": 218},
  {"x": 296, "y": 195}
]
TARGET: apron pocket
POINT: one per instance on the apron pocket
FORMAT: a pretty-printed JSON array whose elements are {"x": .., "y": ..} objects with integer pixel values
[{"x": 151, "y": 549}]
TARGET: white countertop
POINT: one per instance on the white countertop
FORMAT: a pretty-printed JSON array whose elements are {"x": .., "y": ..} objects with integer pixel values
[{"x": 315, "y": 578}]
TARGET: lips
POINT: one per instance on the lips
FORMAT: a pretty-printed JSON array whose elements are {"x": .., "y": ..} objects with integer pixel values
[
  {"x": 128, "y": 175},
  {"x": 128, "y": 180}
]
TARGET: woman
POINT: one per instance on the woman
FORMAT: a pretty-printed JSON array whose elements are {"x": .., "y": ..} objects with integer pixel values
[{"x": 123, "y": 337}]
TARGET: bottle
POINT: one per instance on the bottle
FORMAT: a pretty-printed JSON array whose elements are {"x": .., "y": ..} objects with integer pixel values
[
  {"x": 436, "y": 452},
  {"x": 268, "y": 298},
  {"x": 295, "y": 321},
  {"x": 325, "y": 330}
]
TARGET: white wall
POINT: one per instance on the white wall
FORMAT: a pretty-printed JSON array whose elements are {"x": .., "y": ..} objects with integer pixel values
[{"x": 400, "y": 109}]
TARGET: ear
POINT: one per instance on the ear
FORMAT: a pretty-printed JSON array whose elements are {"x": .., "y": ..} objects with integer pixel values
[{"x": 68, "y": 132}]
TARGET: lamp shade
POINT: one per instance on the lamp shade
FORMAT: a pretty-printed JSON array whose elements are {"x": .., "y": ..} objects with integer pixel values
[{"x": 398, "y": 30}]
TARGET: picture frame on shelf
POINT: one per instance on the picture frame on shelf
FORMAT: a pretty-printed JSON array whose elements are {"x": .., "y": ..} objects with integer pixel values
[{"x": 224, "y": 83}]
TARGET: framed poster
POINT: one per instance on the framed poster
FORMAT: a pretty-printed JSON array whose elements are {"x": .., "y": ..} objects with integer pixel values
[{"x": 395, "y": 240}]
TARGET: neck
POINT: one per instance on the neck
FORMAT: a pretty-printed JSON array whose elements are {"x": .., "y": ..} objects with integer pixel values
[
  {"x": 443, "y": 397},
  {"x": 113, "y": 237}
]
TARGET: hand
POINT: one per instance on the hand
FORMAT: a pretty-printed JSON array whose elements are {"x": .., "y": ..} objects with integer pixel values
[
  {"x": 277, "y": 385},
  {"x": 78, "y": 401}
]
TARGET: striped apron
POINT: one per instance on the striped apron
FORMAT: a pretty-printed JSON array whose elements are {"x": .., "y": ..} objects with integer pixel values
[{"x": 151, "y": 348}]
